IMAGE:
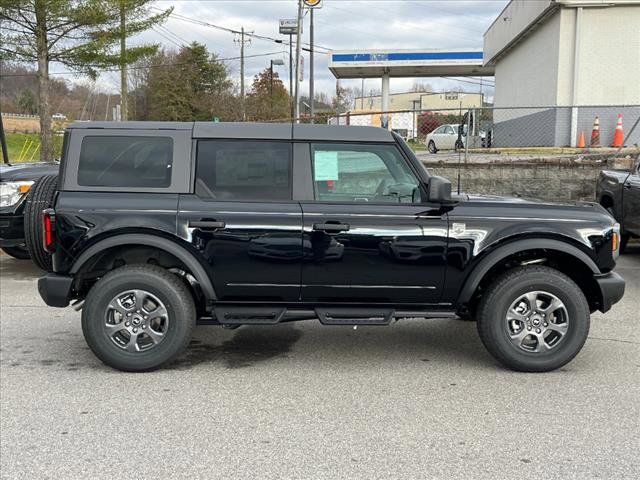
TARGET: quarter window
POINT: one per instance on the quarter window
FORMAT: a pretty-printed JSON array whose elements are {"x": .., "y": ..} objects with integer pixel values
[
  {"x": 362, "y": 173},
  {"x": 244, "y": 170},
  {"x": 125, "y": 161}
]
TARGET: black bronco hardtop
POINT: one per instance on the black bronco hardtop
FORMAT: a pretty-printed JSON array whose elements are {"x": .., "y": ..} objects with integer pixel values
[{"x": 157, "y": 226}]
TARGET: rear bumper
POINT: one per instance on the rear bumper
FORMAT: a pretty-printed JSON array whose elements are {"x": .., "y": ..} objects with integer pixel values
[
  {"x": 611, "y": 289},
  {"x": 55, "y": 289}
]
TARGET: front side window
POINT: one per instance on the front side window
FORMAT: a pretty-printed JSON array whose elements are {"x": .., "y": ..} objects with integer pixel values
[
  {"x": 125, "y": 161},
  {"x": 243, "y": 170},
  {"x": 362, "y": 173}
]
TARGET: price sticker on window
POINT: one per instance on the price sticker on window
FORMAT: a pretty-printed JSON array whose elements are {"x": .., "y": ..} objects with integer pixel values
[{"x": 325, "y": 165}]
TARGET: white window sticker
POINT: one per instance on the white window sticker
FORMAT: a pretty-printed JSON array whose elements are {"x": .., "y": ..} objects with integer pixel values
[{"x": 325, "y": 165}]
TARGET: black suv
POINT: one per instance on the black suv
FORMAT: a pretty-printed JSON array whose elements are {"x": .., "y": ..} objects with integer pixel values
[{"x": 155, "y": 227}]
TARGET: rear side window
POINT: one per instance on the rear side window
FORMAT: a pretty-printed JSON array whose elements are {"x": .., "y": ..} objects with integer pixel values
[
  {"x": 243, "y": 171},
  {"x": 125, "y": 161}
]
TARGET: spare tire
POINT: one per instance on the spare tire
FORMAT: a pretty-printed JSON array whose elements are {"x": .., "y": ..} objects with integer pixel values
[{"x": 39, "y": 198}]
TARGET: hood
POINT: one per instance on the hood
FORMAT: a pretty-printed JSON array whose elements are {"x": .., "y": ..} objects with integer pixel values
[
  {"x": 524, "y": 207},
  {"x": 18, "y": 172}
]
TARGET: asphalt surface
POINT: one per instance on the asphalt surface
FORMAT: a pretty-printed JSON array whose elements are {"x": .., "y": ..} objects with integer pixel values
[{"x": 419, "y": 399}]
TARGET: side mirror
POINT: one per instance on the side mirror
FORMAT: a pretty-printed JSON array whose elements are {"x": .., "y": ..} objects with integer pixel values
[{"x": 439, "y": 190}]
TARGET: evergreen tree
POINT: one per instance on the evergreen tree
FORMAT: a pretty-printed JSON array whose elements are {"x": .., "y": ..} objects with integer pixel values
[{"x": 268, "y": 98}]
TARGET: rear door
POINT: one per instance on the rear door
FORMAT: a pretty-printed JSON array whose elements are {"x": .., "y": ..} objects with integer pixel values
[
  {"x": 243, "y": 221},
  {"x": 368, "y": 237}
]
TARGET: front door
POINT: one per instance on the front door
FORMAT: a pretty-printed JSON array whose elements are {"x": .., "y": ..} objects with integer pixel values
[
  {"x": 368, "y": 237},
  {"x": 243, "y": 221}
]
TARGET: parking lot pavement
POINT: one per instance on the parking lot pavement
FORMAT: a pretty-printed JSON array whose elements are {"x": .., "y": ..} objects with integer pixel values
[{"x": 419, "y": 399}]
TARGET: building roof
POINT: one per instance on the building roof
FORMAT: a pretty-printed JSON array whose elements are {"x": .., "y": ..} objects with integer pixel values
[{"x": 408, "y": 63}]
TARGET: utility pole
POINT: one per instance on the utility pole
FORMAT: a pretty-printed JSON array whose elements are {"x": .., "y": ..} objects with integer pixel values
[
  {"x": 3, "y": 141},
  {"x": 124, "y": 94},
  {"x": 311, "y": 105},
  {"x": 242, "y": 41},
  {"x": 297, "y": 77},
  {"x": 291, "y": 74}
]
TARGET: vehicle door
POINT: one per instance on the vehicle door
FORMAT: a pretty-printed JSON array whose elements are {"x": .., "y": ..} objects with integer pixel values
[
  {"x": 631, "y": 201},
  {"x": 437, "y": 137},
  {"x": 243, "y": 221},
  {"x": 449, "y": 138},
  {"x": 368, "y": 235}
]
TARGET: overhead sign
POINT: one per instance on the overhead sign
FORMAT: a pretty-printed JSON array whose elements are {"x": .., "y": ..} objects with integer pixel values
[
  {"x": 312, "y": 3},
  {"x": 288, "y": 26}
]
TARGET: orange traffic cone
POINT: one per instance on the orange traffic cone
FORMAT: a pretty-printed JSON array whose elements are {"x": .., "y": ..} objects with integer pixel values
[
  {"x": 618, "y": 135},
  {"x": 581, "y": 143},
  {"x": 595, "y": 133}
]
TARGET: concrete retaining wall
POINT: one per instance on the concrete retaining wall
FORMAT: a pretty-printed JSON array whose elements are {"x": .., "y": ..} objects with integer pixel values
[{"x": 552, "y": 180}]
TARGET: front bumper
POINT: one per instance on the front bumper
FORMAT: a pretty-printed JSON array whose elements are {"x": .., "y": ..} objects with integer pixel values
[
  {"x": 611, "y": 287},
  {"x": 11, "y": 230},
  {"x": 55, "y": 289}
]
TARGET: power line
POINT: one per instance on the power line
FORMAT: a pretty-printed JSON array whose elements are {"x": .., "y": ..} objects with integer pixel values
[{"x": 142, "y": 67}]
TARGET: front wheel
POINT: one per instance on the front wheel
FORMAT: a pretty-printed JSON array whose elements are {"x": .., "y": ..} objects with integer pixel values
[
  {"x": 138, "y": 318},
  {"x": 533, "y": 319},
  {"x": 432, "y": 147}
]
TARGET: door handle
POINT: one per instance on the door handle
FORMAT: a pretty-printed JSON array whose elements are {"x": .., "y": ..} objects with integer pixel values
[
  {"x": 207, "y": 224},
  {"x": 331, "y": 227}
]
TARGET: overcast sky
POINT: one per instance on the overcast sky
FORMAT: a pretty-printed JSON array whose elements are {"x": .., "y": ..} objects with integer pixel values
[{"x": 339, "y": 25}]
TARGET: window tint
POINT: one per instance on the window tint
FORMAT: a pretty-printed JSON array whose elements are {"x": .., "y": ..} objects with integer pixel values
[
  {"x": 240, "y": 170},
  {"x": 439, "y": 130},
  {"x": 119, "y": 161},
  {"x": 362, "y": 173},
  {"x": 449, "y": 130}
]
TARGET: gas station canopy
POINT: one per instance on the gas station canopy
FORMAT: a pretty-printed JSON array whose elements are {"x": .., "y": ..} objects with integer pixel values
[{"x": 408, "y": 63}]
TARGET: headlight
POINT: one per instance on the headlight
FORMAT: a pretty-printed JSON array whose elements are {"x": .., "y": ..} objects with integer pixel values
[{"x": 11, "y": 192}]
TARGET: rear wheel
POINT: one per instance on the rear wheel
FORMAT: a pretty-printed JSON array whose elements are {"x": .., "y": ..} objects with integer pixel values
[
  {"x": 533, "y": 319},
  {"x": 39, "y": 198},
  {"x": 432, "y": 147},
  {"x": 138, "y": 318},
  {"x": 20, "y": 252}
]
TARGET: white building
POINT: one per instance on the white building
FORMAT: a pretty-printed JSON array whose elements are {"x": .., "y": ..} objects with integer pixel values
[{"x": 583, "y": 55}]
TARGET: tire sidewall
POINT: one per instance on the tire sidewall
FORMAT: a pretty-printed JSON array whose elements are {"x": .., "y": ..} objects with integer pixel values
[
  {"x": 493, "y": 322},
  {"x": 181, "y": 320},
  {"x": 431, "y": 146}
]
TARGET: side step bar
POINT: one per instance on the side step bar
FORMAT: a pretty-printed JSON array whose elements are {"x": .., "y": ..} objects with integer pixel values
[
  {"x": 355, "y": 316},
  {"x": 236, "y": 315}
]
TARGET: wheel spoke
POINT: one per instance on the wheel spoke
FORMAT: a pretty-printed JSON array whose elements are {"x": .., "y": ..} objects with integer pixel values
[
  {"x": 154, "y": 335},
  {"x": 140, "y": 297},
  {"x": 117, "y": 306},
  {"x": 159, "y": 312},
  {"x": 561, "y": 328},
  {"x": 132, "y": 344},
  {"x": 113, "y": 328},
  {"x": 517, "y": 338},
  {"x": 513, "y": 315},
  {"x": 554, "y": 305},
  {"x": 532, "y": 298},
  {"x": 542, "y": 345}
]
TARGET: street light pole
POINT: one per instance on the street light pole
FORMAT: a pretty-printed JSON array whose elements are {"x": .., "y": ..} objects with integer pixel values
[
  {"x": 311, "y": 107},
  {"x": 291, "y": 74},
  {"x": 271, "y": 89},
  {"x": 298, "y": 46}
]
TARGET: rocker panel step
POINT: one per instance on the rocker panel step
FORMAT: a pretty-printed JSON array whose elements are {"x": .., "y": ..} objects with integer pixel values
[
  {"x": 228, "y": 315},
  {"x": 355, "y": 316}
]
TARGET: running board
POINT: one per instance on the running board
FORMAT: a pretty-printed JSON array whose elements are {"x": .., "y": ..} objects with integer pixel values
[
  {"x": 249, "y": 315},
  {"x": 355, "y": 316}
]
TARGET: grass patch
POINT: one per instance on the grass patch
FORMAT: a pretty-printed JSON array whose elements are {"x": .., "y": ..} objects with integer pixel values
[{"x": 25, "y": 147}]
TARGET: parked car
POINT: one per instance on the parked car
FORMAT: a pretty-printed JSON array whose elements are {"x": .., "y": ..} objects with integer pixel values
[
  {"x": 15, "y": 182},
  {"x": 157, "y": 226},
  {"x": 619, "y": 192},
  {"x": 449, "y": 137}
]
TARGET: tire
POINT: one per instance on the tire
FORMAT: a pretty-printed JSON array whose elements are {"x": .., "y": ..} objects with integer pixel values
[
  {"x": 432, "y": 147},
  {"x": 495, "y": 329},
  {"x": 458, "y": 145},
  {"x": 117, "y": 350},
  {"x": 39, "y": 198},
  {"x": 19, "y": 252}
]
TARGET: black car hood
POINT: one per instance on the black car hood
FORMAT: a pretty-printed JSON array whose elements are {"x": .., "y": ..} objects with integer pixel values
[
  {"x": 19, "y": 172},
  {"x": 520, "y": 201}
]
